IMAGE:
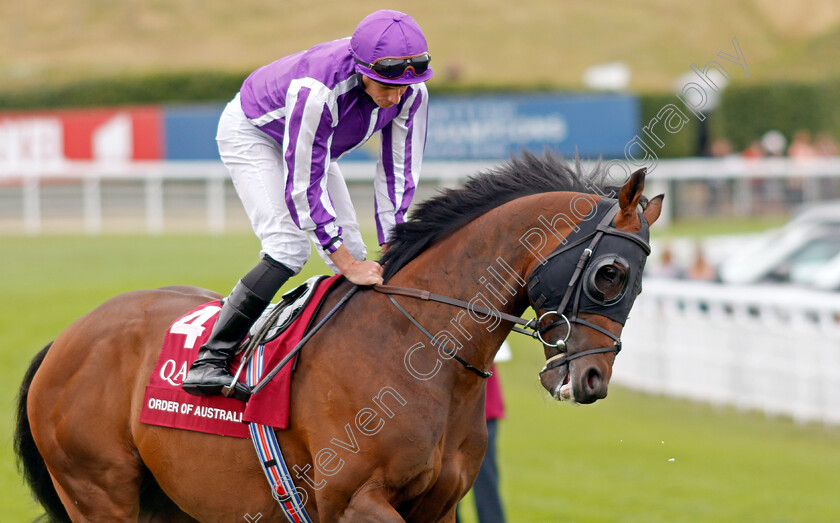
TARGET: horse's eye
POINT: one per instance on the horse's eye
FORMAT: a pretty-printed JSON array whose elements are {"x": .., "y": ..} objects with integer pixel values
[
  {"x": 608, "y": 282},
  {"x": 610, "y": 273}
]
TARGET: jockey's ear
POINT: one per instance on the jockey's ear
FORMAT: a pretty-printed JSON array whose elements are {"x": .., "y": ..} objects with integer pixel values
[{"x": 628, "y": 200}]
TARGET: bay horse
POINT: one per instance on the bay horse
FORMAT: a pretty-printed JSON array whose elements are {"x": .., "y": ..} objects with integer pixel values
[{"x": 386, "y": 425}]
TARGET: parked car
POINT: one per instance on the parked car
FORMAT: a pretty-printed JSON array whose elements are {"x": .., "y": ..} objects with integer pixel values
[{"x": 804, "y": 252}]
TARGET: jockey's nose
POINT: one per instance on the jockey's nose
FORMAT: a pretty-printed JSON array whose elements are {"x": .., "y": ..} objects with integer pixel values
[{"x": 394, "y": 95}]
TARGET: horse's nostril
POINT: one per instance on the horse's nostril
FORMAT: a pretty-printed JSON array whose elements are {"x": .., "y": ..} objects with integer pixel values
[
  {"x": 593, "y": 378},
  {"x": 594, "y": 384}
]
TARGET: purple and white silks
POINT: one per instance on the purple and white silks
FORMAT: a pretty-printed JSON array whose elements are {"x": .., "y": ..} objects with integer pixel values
[{"x": 313, "y": 104}]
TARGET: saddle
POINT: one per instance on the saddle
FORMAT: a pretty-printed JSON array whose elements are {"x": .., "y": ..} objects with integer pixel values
[{"x": 277, "y": 317}]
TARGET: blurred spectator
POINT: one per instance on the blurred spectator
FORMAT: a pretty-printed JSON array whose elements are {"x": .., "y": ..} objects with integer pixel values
[
  {"x": 700, "y": 268},
  {"x": 801, "y": 149},
  {"x": 721, "y": 148},
  {"x": 753, "y": 150},
  {"x": 667, "y": 267},
  {"x": 825, "y": 145},
  {"x": 800, "y": 146},
  {"x": 454, "y": 71}
]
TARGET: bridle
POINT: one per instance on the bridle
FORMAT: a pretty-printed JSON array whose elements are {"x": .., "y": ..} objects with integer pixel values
[{"x": 543, "y": 280}]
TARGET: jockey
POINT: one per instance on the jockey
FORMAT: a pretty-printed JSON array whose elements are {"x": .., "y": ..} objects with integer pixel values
[{"x": 280, "y": 138}]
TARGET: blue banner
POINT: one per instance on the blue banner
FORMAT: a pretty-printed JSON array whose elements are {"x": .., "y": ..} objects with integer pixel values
[
  {"x": 190, "y": 132},
  {"x": 493, "y": 127},
  {"x": 467, "y": 127}
]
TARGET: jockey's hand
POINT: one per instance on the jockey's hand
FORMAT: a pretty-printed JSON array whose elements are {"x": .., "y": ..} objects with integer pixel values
[
  {"x": 358, "y": 272},
  {"x": 364, "y": 273}
]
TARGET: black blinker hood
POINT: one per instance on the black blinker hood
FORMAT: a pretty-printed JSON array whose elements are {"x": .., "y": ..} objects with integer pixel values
[{"x": 549, "y": 282}]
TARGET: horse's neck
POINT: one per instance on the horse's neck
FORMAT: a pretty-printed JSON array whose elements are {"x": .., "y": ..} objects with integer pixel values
[{"x": 487, "y": 263}]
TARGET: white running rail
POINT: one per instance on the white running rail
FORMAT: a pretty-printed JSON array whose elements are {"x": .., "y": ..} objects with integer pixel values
[
  {"x": 775, "y": 349},
  {"x": 27, "y": 178}
]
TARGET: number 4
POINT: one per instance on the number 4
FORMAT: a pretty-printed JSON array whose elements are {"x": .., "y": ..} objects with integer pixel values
[{"x": 192, "y": 325}]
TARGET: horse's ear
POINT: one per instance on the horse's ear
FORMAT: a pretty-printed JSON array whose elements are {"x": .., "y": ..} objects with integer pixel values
[
  {"x": 653, "y": 209},
  {"x": 632, "y": 190},
  {"x": 628, "y": 200}
]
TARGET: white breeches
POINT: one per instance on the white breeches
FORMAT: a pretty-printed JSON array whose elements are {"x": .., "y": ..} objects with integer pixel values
[{"x": 255, "y": 163}]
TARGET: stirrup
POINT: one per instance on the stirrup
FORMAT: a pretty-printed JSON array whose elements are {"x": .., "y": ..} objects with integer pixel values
[{"x": 231, "y": 391}]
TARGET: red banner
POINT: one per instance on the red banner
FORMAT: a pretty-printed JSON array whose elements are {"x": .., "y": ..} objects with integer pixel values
[{"x": 120, "y": 134}]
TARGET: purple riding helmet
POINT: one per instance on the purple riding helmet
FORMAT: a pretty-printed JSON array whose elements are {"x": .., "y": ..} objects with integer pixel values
[{"x": 389, "y": 47}]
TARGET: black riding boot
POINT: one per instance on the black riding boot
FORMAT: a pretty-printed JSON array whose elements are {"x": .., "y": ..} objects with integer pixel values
[{"x": 248, "y": 299}]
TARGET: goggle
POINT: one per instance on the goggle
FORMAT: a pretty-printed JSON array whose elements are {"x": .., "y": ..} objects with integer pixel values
[{"x": 393, "y": 68}]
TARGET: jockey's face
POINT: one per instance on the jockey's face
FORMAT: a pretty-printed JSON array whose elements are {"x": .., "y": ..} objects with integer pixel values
[{"x": 383, "y": 95}]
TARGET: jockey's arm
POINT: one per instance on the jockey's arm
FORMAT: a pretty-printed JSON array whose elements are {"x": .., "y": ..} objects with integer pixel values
[{"x": 403, "y": 141}]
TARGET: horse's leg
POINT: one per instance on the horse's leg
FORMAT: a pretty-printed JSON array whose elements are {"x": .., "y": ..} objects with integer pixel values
[
  {"x": 103, "y": 489},
  {"x": 109, "y": 487},
  {"x": 79, "y": 419},
  {"x": 157, "y": 507}
]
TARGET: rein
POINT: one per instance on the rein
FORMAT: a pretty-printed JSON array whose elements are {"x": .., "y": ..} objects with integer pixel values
[
  {"x": 419, "y": 294},
  {"x": 430, "y": 296},
  {"x": 557, "y": 360},
  {"x": 436, "y": 343},
  {"x": 268, "y": 377}
]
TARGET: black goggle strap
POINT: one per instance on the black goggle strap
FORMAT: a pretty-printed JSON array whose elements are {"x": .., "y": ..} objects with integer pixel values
[
  {"x": 570, "y": 290},
  {"x": 574, "y": 288}
]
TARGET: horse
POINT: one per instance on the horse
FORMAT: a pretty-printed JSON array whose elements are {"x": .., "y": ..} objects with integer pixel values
[{"x": 387, "y": 419}]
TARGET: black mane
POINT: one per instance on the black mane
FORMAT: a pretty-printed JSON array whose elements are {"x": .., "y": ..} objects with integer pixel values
[{"x": 453, "y": 208}]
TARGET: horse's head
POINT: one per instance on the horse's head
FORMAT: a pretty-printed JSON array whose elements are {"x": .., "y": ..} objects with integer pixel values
[{"x": 584, "y": 289}]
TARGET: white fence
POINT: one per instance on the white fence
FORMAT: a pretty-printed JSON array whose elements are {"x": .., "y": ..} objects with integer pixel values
[
  {"x": 23, "y": 186},
  {"x": 150, "y": 181},
  {"x": 774, "y": 349}
]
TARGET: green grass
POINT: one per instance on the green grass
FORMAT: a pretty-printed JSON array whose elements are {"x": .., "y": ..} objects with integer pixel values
[{"x": 599, "y": 463}]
